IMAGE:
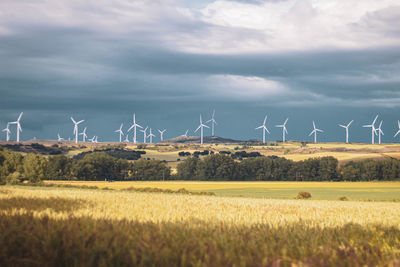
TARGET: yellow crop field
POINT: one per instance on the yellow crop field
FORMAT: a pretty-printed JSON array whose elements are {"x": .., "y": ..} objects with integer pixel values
[{"x": 52, "y": 226}]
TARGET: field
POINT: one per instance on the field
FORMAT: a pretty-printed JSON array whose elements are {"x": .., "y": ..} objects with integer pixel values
[
  {"x": 387, "y": 191},
  {"x": 49, "y": 226}
]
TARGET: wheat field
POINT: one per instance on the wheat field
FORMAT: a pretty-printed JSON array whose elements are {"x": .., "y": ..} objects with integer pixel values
[{"x": 68, "y": 226}]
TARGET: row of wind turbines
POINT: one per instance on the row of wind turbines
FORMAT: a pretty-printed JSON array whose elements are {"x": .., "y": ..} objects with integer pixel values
[{"x": 375, "y": 131}]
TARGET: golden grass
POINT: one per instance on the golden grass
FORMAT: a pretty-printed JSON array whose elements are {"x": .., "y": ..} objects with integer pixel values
[{"x": 71, "y": 227}]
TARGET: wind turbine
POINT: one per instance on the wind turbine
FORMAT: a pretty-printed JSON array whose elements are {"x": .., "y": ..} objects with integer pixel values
[
  {"x": 347, "y": 130},
  {"x": 76, "y": 128},
  {"x": 314, "y": 131},
  {"x": 398, "y": 123},
  {"x": 264, "y": 127},
  {"x": 144, "y": 134},
  {"x": 134, "y": 126},
  {"x": 19, "y": 128},
  {"x": 151, "y": 135},
  {"x": 120, "y": 132},
  {"x": 186, "y": 133},
  {"x": 373, "y": 129},
  {"x": 201, "y": 126},
  {"x": 162, "y": 134},
  {"x": 213, "y": 122},
  {"x": 126, "y": 139},
  {"x": 284, "y": 130},
  {"x": 380, "y": 132},
  {"x": 7, "y": 130},
  {"x": 84, "y": 136},
  {"x": 59, "y": 138}
]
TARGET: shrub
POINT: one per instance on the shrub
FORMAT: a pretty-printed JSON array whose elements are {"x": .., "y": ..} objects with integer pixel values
[
  {"x": 303, "y": 195},
  {"x": 344, "y": 198}
]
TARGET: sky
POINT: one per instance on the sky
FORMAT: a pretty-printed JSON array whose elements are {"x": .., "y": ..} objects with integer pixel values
[{"x": 168, "y": 61}]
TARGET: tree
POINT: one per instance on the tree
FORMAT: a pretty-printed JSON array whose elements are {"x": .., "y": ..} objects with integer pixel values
[{"x": 35, "y": 167}]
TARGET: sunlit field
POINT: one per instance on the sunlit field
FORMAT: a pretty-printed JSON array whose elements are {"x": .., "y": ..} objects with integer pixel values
[
  {"x": 387, "y": 191},
  {"x": 64, "y": 226}
]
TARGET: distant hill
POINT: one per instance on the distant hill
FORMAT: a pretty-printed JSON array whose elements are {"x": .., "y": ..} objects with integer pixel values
[{"x": 196, "y": 139}]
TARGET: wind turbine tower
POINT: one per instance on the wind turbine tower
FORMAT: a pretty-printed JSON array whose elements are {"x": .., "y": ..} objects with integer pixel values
[
  {"x": 144, "y": 134},
  {"x": 398, "y": 124},
  {"x": 373, "y": 129},
  {"x": 380, "y": 132},
  {"x": 284, "y": 130},
  {"x": 162, "y": 134},
  {"x": 84, "y": 136},
  {"x": 120, "y": 132},
  {"x": 264, "y": 128},
  {"x": 7, "y": 130},
  {"x": 201, "y": 127},
  {"x": 76, "y": 128},
  {"x": 17, "y": 122},
  {"x": 347, "y": 130},
  {"x": 213, "y": 122},
  {"x": 314, "y": 131},
  {"x": 151, "y": 135},
  {"x": 134, "y": 126}
]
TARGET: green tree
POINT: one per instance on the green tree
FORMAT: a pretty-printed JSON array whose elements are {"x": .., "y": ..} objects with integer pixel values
[{"x": 35, "y": 167}]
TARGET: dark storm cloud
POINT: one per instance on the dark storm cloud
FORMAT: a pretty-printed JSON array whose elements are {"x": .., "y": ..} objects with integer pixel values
[{"x": 53, "y": 71}]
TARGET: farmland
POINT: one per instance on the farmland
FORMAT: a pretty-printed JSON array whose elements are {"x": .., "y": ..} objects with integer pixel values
[
  {"x": 387, "y": 191},
  {"x": 68, "y": 226}
]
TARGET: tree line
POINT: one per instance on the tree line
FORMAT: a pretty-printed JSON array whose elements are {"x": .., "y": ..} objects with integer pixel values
[
  {"x": 16, "y": 167},
  {"x": 273, "y": 168}
]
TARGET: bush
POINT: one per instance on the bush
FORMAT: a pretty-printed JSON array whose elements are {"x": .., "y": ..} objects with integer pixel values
[
  {"x": 303, "y": 195},
  {"x": 343, "y": 198}
]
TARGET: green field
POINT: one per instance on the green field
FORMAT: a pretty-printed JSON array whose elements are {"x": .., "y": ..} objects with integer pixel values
[{"x": 377, "y": 191}]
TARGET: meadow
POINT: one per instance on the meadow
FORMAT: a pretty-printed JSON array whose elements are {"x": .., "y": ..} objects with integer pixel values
[
  {"x": 375, "y": 191},
  {"x": 51, "y": 226}
]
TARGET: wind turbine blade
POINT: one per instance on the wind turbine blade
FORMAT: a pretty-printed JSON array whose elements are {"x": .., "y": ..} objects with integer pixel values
[
  {"x": 313, "y": 123},
  {"x": 398, "y": 123},
  {"x": 397, "y": 133},
  {"x": 215, "y": 122},
  {"x": 266, "y": 129},
  {"x": 197, "y": 128},
  {"x": 280, "y": 126},
  {"x": 265, "y": 119},
  {"x": 342, "y": 126},
  {"x": 318, "y": 130},
  {"x": 80, "y": 121},
  {"x": 137, "y": 125},
  {"x": 367, "y": 126},
  {"x": 259, "y": 127},
  {"x": 374, "y": 120},
  {"x": 205, "y": 126},
  {"x": 286, "y": 121},
  {"x": 208, "y": 121},
  {"x": 284, "y": 128},
  {"x": 73, "y": 120},
  {"x": 348, "y": 125},
  {"x": 20, "y": 115},
  {"x": 311, "y": 132}
]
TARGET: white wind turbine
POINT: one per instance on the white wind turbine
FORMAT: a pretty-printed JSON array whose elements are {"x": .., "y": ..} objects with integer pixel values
[
  {"x": 59, "y": 138},
  {"x": 76, "y": 128},
  {"x": 120, "y": 132},
  {"x": 314, "y": 131},
  {"x": 162, "y": 134},
  {"x": 347, "y": 130},
  {"x": 17, "y": 122},
  {"x": 284, "y": 130},
  {"x": 7, "y": 130},
  {"x": 380, "y": 132},
  {"x": 144, "y": 134},
  {"x": 84, "y": 136},
  {"x": 126, "y": 139},
  {"x": 373, "y": 129},
  {"x": 134, "y": 126},
  {"x": 151, "y": 135},
  {"x": 264, "y": 128},
  {"x": 213, "y": 123},
  {"x": 92, "y": 139},
  {"x": 398, "y": 124},
  {"x": 201, "y": 126},
  {"x": 186, "y": 133}
]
